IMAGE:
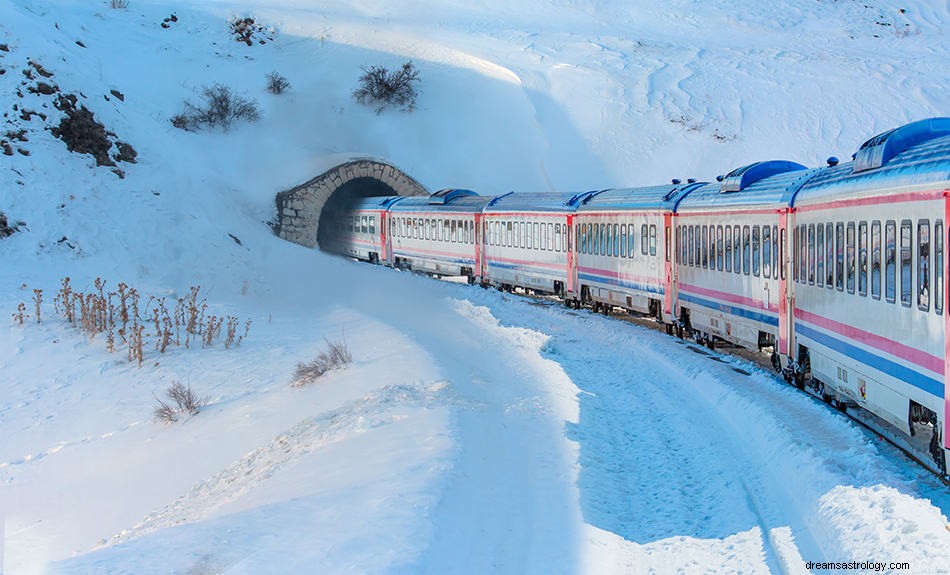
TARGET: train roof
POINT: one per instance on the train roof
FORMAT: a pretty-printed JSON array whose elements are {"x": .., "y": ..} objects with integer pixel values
[
  {"x": 647, "y": 198},
  {"x": 533, "y": 202},
  {"x": 449, "y": 200},
  {"x": 914, "y": 157},
  {"x": 762, "y": 184}
]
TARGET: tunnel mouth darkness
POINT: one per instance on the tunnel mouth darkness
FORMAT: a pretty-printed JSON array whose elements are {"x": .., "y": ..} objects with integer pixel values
[
  {"x": 341, "y": 202},
  {"x": 306, "y": 213}
]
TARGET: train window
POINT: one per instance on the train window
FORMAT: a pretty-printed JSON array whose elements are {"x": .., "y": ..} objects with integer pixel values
[
  {"x": 644, "y": 239},
  {"x": 690, "y": 246},
  {"x": 820, "y": 255},
  {"x": 783, "y": 248},
  {"x": 522, "y": 235},
  {"x": 830, "y": 256},
  {"x": 719, "y": 248},
  {"x": 440, "y": 231},
  {"x": 372, "y": 224},
  {"x": 699, "y": 246},
  {"x": 756, "y": 252},
  {"x": 551, "y": 236},
  {"x": 453, "y": 231},
  {"x": 774, "y": 251},
  {"x": 652, "y": 239},
  {"x": 907, "y": 244},
  {"x": 567, "y": 238},
  {"x": 728, "y": 248},
  {"x": 364, "y": 224},
  {"x": 796, "y": 252},
  {"x": 850, "y": 257},
  {"x": 923, "y": 265},
  {"x": 558, "y": 242},
  {"x": 623, "y": 240},
  {"x": 890, "y": 261},
  {"x": 610, "y": 240},
  {"x": 746, "y": 250},
  {"x": 811, "y": 253},
  {"x": 876, "y": 259},
  {"x": 736, "y": 249},
  {"x": 839, "y": 256},
  {"x": 684, "y": 246},
  {"x": 803, "y": 253},
  {"x": 705, "y": 236},
  {"x": 667, "y": 242},
  {"x": 616, "y": 239},
  {"x": 766, "y": 251},
  {"x": 631, "y": 241},
  {"x": 430, "y": 225},
  {"x": 938, "y": 266},
  {"x": 863, "y": 258},
  {"x": 537, "y": 234}
]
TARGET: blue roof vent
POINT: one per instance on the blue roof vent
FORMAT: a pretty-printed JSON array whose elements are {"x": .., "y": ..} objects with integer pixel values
[
  {"x": 443, "y": 197},
  {"x": 880, "y": 149},
  {"x": 741, "y": 178}
]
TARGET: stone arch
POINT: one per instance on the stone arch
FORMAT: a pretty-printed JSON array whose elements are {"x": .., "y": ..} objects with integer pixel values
[{"x": 299, "y": 209}]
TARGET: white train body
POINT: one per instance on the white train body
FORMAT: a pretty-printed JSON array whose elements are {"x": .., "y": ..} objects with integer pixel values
[{"x": 839, "y": 270}]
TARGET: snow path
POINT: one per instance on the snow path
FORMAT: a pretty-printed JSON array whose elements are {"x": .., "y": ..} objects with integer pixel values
[
  {"x": 376, "y": 409},
  {"x": 678, "y": 444}
]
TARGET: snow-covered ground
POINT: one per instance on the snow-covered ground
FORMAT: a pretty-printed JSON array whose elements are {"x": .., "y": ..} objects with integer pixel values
[{"x": 475, "y": 432}]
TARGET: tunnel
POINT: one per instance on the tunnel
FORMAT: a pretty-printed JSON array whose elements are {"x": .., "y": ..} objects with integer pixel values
[{"x": 303, "y": 211}]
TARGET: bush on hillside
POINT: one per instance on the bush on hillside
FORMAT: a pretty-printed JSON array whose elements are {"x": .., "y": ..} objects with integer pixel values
[
  {"x": 383, "y": 87},
  {"x": 182, "y": 400},
  {"x": 220, "y": 108},
  {"x": 336, "y": 356},
  {"x": 277, "y": 84}
]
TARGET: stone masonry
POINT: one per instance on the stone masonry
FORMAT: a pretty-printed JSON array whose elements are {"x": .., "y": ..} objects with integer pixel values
[{"x": 298, "y": 209}]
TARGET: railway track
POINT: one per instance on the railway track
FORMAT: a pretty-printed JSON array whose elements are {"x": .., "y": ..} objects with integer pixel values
[{"x": 880, "y": 429}]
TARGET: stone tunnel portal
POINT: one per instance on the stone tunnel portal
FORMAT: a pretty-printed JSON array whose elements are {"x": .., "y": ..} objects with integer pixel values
[{"x": 304, "y": 211}]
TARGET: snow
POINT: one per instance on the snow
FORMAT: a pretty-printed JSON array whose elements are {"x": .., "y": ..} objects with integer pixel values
[{"x": 475, "y": 431}]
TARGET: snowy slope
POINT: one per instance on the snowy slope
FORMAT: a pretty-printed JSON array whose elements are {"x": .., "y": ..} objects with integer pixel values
[{"x": 473, "y": 433}]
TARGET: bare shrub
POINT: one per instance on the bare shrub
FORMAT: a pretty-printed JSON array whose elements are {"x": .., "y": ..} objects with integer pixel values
[
  {"x": 336, "y": 356},
  {"x": 117, "y": 314},
  {"x": 119, "y": 4},
  {"x": 380, "y": 86},
  {"x": 182, "y": 400},
  {"x": 277, "y": 84},
  {"x": 220, "y": 108}
]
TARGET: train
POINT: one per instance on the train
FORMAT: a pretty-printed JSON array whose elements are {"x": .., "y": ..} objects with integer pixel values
[{"x": 837, "y": 272}]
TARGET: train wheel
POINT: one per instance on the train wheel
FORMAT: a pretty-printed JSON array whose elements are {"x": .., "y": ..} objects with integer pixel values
[{"x": 936, "y": 450}]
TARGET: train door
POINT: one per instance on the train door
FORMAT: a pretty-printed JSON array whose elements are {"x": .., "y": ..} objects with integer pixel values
[
  {"x": 571, "y": 278},
  {"x": 786, "y": 294},
  {"x": 385, "y": 245},
  {"x": 945, "y": 264},
  {"x": 669, "y": 265}
]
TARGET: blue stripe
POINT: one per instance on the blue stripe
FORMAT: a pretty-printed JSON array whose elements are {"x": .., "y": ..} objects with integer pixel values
[
  {"x": 621, "y": 283},
  {"x": 769, "y": 319},
  {"x": 892, "y": 368}
]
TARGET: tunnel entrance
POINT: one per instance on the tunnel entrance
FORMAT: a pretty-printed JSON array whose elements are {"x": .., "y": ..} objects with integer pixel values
[
  {"x": 302, "y": 211},
  {"x": 341, "y": 202}
]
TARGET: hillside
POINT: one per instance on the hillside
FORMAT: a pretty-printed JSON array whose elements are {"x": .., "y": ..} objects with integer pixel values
[{"x": 447, "y": 446}]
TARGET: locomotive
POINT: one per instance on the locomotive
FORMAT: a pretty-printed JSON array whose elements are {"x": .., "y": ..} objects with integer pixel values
[{"x": 838, "y": 270}]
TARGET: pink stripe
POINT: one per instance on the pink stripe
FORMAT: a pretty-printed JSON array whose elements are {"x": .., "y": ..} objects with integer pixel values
[
  {"x": 907, "y": 353},
  {"x": 363, "y": 242},
  {"x": 888, "y": 199},
  {"x": 623, "y": 276},
  {"x": 746, "y": 301}
]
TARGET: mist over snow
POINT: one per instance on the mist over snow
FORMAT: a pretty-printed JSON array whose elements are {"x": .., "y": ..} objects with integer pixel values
[{"x": 474, "y": 432}]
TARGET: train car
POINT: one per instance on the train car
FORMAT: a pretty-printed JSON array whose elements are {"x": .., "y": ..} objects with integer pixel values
[
  {"x": 527, "y": 242},
  {"x": 623, "y": 241},
  {"x": 360, "y": 229},
  {"x": 731, "y": 281},
  {"x": 438, "y": 234},
  {"x": 870, "y": 306}
]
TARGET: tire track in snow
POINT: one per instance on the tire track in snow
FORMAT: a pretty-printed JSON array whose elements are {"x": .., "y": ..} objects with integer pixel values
[{"x": 374, "y": 410}]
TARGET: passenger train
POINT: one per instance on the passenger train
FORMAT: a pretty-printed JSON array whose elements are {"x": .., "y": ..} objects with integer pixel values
[{"x": 838, "y": 270}]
